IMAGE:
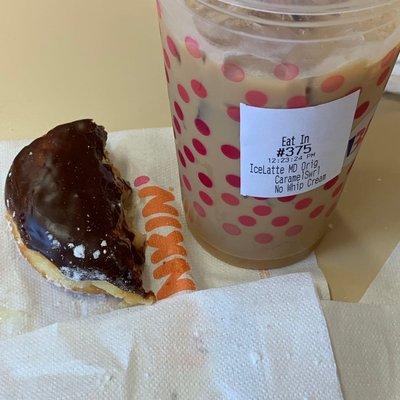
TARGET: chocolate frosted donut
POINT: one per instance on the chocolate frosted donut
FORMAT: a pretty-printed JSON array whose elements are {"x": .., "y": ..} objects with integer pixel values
[{"x": 66, "y": 204}]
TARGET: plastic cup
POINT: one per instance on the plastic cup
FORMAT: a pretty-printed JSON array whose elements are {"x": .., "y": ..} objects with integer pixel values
[{"x": 268, "y": 54}]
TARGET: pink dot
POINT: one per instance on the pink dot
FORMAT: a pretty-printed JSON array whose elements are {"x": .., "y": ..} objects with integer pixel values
[
  {"x": 187, "y": 183},
  {"x": 286, "y": 199},
  {"x": 231, "y": 152},
  {"x": 199, "y": 209},
  {"x": 230, "y": 199},
  {"x": 389, "y": 58},
  {"x": 200, "y": 148},
  {"x": 383, "y": 76},
  {"x": 181, "y": 158},
  {"x": 280, "y": 221},
  {"x": 233, "y": 72},
  {"x": 262, "y": 211},
  {"x": 256, "y": 98},
  {"x": 166, "y": 59},
  {"x": 141, "y": 180},
  {"x": 331, "y": 209},
  {"x": 297, "y": 102},
  {"x": 302, "y": 204},
  {"x": 193, "y": 47},
  {"x": 332, "y": 83},
  {"x": 199, "y": 89},
  {"x": 286, "y": 71},
  {"x": 183, "y": 93},
  {"x": 189, "y": 154},
  {"x": 233, "y": 180},
  {"x": 205, "y": 180},
  {"x": 206, "y": 198},
  {"x": 177, "y": 125},
  {"x": 331, "y": 183},
  {"x": 234, "y": 113},
  {"x": 246, "y": 220},
  {"x": 264, "y": 238},
  {"x": 316, "y": 212},
  {"x": 294, "y": 230},
  {"x": 337, "y": 190},
  {"x": 231, "y": 229},
  {"x": 202, "y": 127},
  {"x": 172, "y": 47},
  {"x": 361, "y": 110},
  {"x": 179, "y": 111}
]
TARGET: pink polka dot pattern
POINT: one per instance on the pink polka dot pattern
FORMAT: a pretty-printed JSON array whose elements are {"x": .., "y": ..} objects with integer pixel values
[
  {"x": 332, "y": 83},
  {"x": 167, "y": 60},
  {"x": 264, "y": 238},
  {"x": 331, "y": 183},
  {"x": 246, "y": 220},
  {"x": 233, "y": 72},
  {"x": 286, "y": 71},
  {"x": 186, "y": 182},
  {"x": 202, "y": 127},
  {"x": 189, "y": 154},
  {"x": 179, "y": 111},
  {"x": 172, "y": 47},
  {"x": 302, "y": 204},
  {"x": 286, "y": 199},
  {"x": 294, "y": 230},
  {"x": 234, "y": 113},
  {"x": 199, "y": 209},
  {"x": 230, "y": 199},
  {"x": 256, "y": 98},
  {"x": 200, "y": 148},
  {"x": 337, "y": 190},
  {"x": 383, "y": 76},
  {"x": 206, "y": 198},
  {"x": 231, "y": 229},
  {"x": 199, "y": 89},
  {"x": 141, "y": 180},
  {"x": 182, "y": 159},
  {"x": 262, "y": 211},
  {"x": 280, "y": 221},
  {"x": 177, "y": 125},
  {"x": 230, "y": 151},
  {"x": 297, "y": 102},
  {"x": 193, "y": 47},
  {"x": 183, "y": 93},
  {"x": 361, "y": 110},
  {"x": 205, "y": 180},
  {"x": 315, "y": 213},
  {"x": 233, "y": 180}
]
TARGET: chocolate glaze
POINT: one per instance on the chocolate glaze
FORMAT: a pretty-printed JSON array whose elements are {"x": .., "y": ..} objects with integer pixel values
[{"x": 67, "y": 203}]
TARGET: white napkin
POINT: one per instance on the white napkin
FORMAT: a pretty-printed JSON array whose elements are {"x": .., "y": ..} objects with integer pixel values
[
  {"x": 263, "y": 340},
  {"x": 385, "y": 289},
  {"x": 28, "y": 302},
  {"x": 366, "y": 343}
]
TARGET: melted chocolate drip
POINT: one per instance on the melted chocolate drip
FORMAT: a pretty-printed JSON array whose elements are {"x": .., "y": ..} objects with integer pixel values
[{"x": 67, "y": 203}]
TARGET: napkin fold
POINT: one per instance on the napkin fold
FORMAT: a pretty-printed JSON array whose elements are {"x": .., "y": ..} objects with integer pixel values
[{"x": 262, "y": 340}]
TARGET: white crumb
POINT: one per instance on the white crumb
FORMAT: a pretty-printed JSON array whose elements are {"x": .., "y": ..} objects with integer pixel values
[
  {"x": 103, "y": 243},
  {"x": 79, "y": 251},
  {"x": 96, "y": 254}
]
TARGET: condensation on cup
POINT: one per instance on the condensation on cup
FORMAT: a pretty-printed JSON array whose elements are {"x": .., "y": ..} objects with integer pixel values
[{"x": 222, "y": 56}]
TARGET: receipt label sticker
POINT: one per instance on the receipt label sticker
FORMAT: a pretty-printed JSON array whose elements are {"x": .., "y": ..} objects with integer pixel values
[{"x": 292, "y": 151}]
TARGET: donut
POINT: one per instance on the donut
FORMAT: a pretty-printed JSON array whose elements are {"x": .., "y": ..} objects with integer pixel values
[{"x": 67, "y": 206}]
